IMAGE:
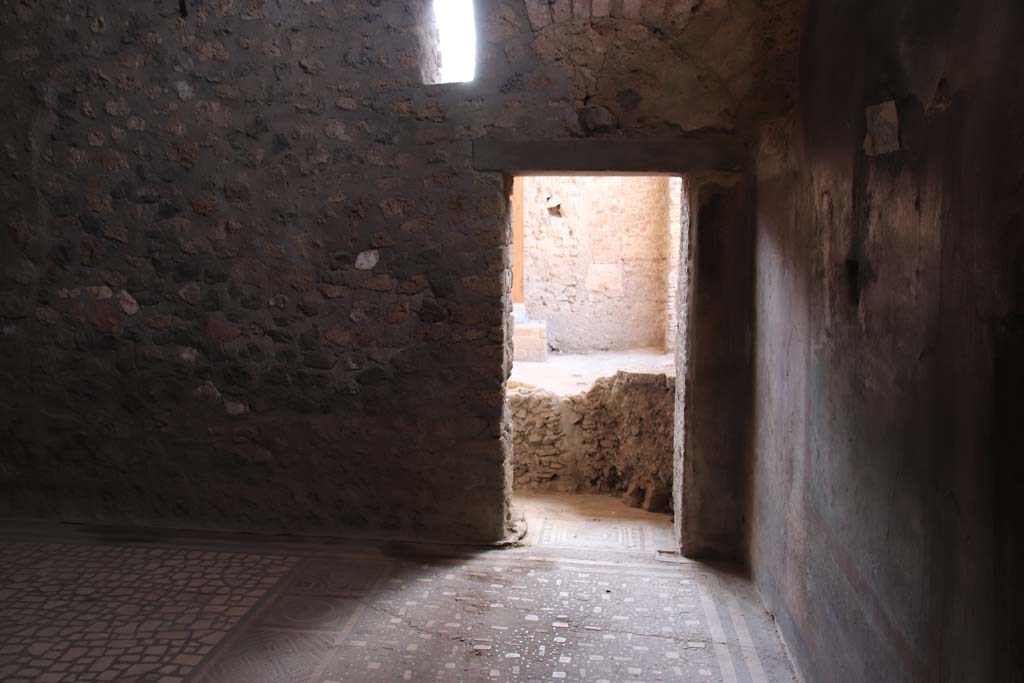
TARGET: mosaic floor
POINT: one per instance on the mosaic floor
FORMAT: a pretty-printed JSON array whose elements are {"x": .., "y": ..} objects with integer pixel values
[{"x": 586, "y": 599}]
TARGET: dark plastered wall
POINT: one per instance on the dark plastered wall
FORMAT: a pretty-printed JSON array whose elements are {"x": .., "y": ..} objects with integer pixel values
[
  {"x": 888, "y": 313},
  {"x": 712, "y": 457},
  {"x": 248, "y": 277}
]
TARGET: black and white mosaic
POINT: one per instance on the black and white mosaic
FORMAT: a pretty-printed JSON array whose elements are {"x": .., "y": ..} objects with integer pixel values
[
  {"x": 587, "y": 601},
  {"x": 71, "y": 613}
]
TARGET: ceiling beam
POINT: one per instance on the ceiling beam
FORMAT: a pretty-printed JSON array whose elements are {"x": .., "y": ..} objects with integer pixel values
[{"x": 582, "y": 156}]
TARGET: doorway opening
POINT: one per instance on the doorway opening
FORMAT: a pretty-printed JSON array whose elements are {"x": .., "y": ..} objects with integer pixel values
[{"x": 597, "y": 293}]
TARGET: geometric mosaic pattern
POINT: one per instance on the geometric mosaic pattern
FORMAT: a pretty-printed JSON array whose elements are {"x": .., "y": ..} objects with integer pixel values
[
  {"x": 591, "y": 535},
  {"x": 106, "y": 613},
  {"x": 561, "y": 609},
  {"x": 527, "y": 622},
  {"x": 300, "y": 625},
  {"x": 444, "y": 621},
  {"x": 269, "y": 655}
]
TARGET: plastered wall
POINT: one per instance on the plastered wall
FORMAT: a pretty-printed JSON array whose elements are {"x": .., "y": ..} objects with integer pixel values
[
  {"x": 597, "y": 260},
  {"x": 888, "y": 329}
]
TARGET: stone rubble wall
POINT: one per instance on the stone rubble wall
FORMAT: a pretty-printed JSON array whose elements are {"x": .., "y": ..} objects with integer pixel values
[
  {"x": 614, "y": 438},
  {"x": 249, "y": 278}
]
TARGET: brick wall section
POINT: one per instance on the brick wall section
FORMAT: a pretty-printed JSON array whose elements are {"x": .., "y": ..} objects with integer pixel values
[
  {"x": 596, "y": 264},
  {"x": 248, "y": 278}
]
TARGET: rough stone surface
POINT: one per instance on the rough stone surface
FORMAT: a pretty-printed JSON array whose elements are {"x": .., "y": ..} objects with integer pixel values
[
  {"x": 596, "y": 120},
  {"x": 616, "y": 437},
  {"x": 225, "y": 169},
  {"x": 597, "y": 264},
  {"x": 247, "y": 153}
]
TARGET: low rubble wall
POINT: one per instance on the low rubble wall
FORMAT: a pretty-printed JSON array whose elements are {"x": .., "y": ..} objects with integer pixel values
[{"x": 614, "y": 438}]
